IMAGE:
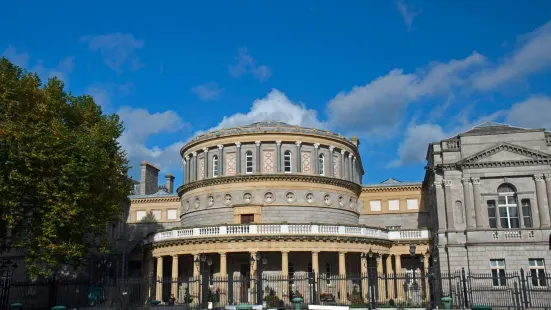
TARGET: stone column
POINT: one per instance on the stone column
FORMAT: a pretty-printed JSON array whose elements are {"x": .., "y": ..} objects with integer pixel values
[
  {"x": 188, "y": 168},
  {"x": 355, "y": 170},
  {"x": 467, "y": 197},
  {"x": 449, "y": 203},
  {"x": 364, "y": 276},
  {"x": 548, "y": 186},
  {"x": 220, "y": 159},
  {"x": 257, "y": 156},
  {"x": 224, "y": 275},
  {"x": 440, "y": 206},
  {"x": 285, "y": 264},
  {"x": 390, "y": 276},
  {"x": 175, "y": 276},
  {"x": 316, "y": 159},
  {"x": 315, "y": 264},
  {"x": 542, "y": 204},
  {"x": 159, "y": 295},
  {"x": 196, "y": 274},
  {"x": 151, "y": 274},
  {"x": 184, "y": 167},
  {"x": 331, "y": 168},
  {"x": 342, "y": 276},
  {"x": 380, "y": 274},
  {"x": 350, "y": 173},
  {"x": 238, "y": 157},
  {"x": 479, "y": 218},
  {"x": 342, "y": 170},
  {"x": 252, "y": 271},
  {"x": 398, "y": 263},
  {"x": 299, "y": 157},
  {"x": 278, "y": 155},
  {"x": 206, "y": 162},
  {"x": 195, "y": 174}
]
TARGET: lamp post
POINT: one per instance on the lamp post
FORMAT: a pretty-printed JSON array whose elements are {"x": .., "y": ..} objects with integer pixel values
[
  {"x": 7, "y": 268},
  {"x": 201, "y": 261},
  {"x": 256, "y": 259},
  {"x": 371, "y": 283}
]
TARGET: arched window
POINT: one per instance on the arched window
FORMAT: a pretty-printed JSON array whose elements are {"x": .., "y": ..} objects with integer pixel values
[
  {"x": 215, "y": 166},
  {"x": 287, "y": 161},
  {"x": 507, "y": 206},
  {"x": 321, "y": 164},
  {"x": 249, "y": 162}
]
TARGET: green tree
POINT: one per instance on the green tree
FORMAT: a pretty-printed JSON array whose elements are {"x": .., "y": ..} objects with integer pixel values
[
  {"x": 63, "y": 175},
  {"x": 149, "y": 218}
]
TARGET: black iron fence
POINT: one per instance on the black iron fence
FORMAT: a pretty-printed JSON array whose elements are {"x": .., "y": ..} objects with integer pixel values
[{"x": 422, "y": 289}]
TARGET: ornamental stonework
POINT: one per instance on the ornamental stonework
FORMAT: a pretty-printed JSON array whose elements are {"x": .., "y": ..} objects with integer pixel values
[
  {"x": 306, "y": 159},
  {"x": 201, "y": 168},
  {"x": 269, "y": 161},
  {"x": 230, "y": 164},
  {"x": 336, "y": 167}
]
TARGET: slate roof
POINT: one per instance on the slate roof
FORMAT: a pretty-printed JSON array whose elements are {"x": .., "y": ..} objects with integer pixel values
[{"x": 492, "y": 128}]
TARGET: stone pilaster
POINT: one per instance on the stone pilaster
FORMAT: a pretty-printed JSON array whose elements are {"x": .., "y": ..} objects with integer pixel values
[
  {"x": 330, "y": 159},
  {"x": 541, "y": 199},
  {"x": 206, "y": 162},
  {"x": 440, "y": 206},
  {"x": 299, "y": 157},
  {"x": 315, "y": 264},
  {"x": 350, "y": 173},
  {"x": 188, "y": 168},
  {"x": 220, "y": 159},
  {"x": 257, "y": 155},
  {"x": 468, "y": 202},
  {"x": 238, "y": 157},
  {"x": 278, "y": 155},
  {"x": 285, "y": 263},
  {"x": 184, "y": 167},
  {"x": 195, "y": 174},
  {"x": 343, "y": 167},
  {"x": 316, "y": 159},
  {"x": 477, "y": 204},
  {"x": 449, "y": 203},
  {"x": 548, "y": 186}
]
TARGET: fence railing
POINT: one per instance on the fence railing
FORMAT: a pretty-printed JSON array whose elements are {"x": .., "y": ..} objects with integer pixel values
[{"x": 421, "y": 289}]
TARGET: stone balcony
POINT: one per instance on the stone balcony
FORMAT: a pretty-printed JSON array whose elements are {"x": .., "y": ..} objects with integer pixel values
[{"x": 290, "y": 230}]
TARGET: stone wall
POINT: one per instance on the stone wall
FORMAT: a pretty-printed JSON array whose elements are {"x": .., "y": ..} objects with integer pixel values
[{"x": 404, "y": 220}]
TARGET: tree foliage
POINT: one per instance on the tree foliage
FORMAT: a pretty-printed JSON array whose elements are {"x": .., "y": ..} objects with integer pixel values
[{"x": 63, "y": 175}]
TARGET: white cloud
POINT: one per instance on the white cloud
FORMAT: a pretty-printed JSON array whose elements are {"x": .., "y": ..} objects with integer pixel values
[
  {"x": 533, "y": 54},
  {"x": 274, "y": 107},
  {"x": 408, "y": 13},
  {"x": 208, "y": 91},
  {"x": 20, "y": 59},
  {"x": 534, "y": 112},
  {"x": 246, "y": 64},
  {"x": 379, "y": 107},
  {"x": 117, "y": 49},
  {"x": 140, "y": 126},
  {"x": 414, "y": 147}
]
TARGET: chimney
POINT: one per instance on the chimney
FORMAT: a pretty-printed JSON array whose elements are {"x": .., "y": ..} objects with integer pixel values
[
  {"x": 169, "y": 183},
  {"x": 149, "y": 183},
  {"x": 355, "y": 140}
]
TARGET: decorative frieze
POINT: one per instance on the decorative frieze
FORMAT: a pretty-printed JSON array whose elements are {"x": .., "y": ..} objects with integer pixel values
[
  {"x": 230, "y": 164},
  {"x": 269, "y": 161},
  {"x": 306, "y": 159}
]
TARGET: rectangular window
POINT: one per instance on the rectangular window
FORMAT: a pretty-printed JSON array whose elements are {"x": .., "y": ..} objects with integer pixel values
[
  {"x": 247, "y": 218},
  {"x": 537, "y": 271},
  {"x": 491, "y": 204},
  {"x": 498, "y": 272},
  {"x": 526, "y": 213},
  {"x": 172, "y": 214},
  {"x": 156, "y": 214},
  {"x": 375, "y": 205},
  {"x": 394, "y": 205},
  {"x": 249, "y": 162},
  {"x": 140, "y": 215},
  {"x": 412, "y": 204}
]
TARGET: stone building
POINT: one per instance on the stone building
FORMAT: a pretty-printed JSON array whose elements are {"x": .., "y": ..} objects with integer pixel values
[
  {"x": 289, "y": 197},
  {"x": 488, "y": 190}
]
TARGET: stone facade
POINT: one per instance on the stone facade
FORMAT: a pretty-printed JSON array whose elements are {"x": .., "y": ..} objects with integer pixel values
[{"x": 488, "y": 190}]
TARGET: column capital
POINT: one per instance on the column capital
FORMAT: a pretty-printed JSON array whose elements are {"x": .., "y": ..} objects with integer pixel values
[
  {"x": 257, "y": 143},
  {"x": 187, "y": 156},
  {"x": 220, "y": 146},
  {"x": 342, "y": 253},
  {"x": 284, "y": 252},
  {"x": 447, "y": 183},
  {"x": 350, "y": 155},
  {"x": 205, "y": 149},
  {"x": 316, "y": 145},
  {"x": 183, "y": 160},
  {"x": 298, "y": 143},
  {"x": 315, "y": 252},
  {"x": 437, "y": 184},
  {"x": 476, "y": 181},
  {"x": 547, "y": 177},
  {"x": 331, "y": 148},
  {"x": 538, "y": 177},
  {"x": 466, "y": 180},
  {"x": 175, "y": 256},
  {"x": 222, "y": 253},
  {"x": 194, "y": 154},
  {"x": 238, "y": 144},
  {"x": 343, "y": 151},
  {"x": 278, "y": 143}
]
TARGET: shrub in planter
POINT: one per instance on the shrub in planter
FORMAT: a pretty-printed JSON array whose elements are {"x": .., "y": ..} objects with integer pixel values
[
  {"x": 327, "y": 297},
  {"x": 272, "y": 301},
  {"x": 356, "y": 299}
]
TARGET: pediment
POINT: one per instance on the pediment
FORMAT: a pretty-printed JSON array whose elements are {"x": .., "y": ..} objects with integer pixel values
[{"x": 505, "y": 152}]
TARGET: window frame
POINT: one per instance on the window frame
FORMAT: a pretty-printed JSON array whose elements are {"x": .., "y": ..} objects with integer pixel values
[
  {"x": 215, "y": 166},
  {"x": 526, "y": 212},
  {"x": 249, "y": 160},
  {"x": 321, "y": 164},
  {"x": 507, "y": 207},
  {"x": 288, "y": 158},
  {"x": 497, "y": 267},
  {"x": 160, "y": 212},
  {"x": 140, "y": 218},
  {"x": 492, "y": 205},
  {"x": 246, "y": 216},
  {"x": 537, "y": 272},
  {"x": 168, "y": 214}
]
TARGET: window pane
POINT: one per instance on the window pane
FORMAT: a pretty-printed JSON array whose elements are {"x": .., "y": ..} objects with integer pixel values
[
  {"x": 504, "y": 222},
  {"x": 157, "y": 214},
  {"x": 527, "y": 222},
  {"x": 172, "y": 214},
  {"x": 515, "y": 223},
  {"x": 491, "y": 211},
  {"x": 513, "y": 211},
  {"x": 512, "y": 200},
  {"x": 493, "y": 223},
  {"x": 501, "y": 200},
  {"x": 502, "y": 211}
]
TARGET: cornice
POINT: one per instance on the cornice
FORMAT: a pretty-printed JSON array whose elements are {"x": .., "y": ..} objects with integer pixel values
[
  {"x": 356, "y": 188},
  {"x": 494, "y": 164},
  {"x": 391, "y": 188},
  {"x": 154, "y": 199},
  {"x": 516, "y": 149}
]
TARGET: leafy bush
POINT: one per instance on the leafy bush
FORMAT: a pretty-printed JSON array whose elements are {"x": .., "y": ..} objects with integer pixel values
[{"x": 272, "y": 301}]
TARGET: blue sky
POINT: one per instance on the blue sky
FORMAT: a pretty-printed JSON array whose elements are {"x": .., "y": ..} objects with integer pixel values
[{"x": 397, "y": 74}]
